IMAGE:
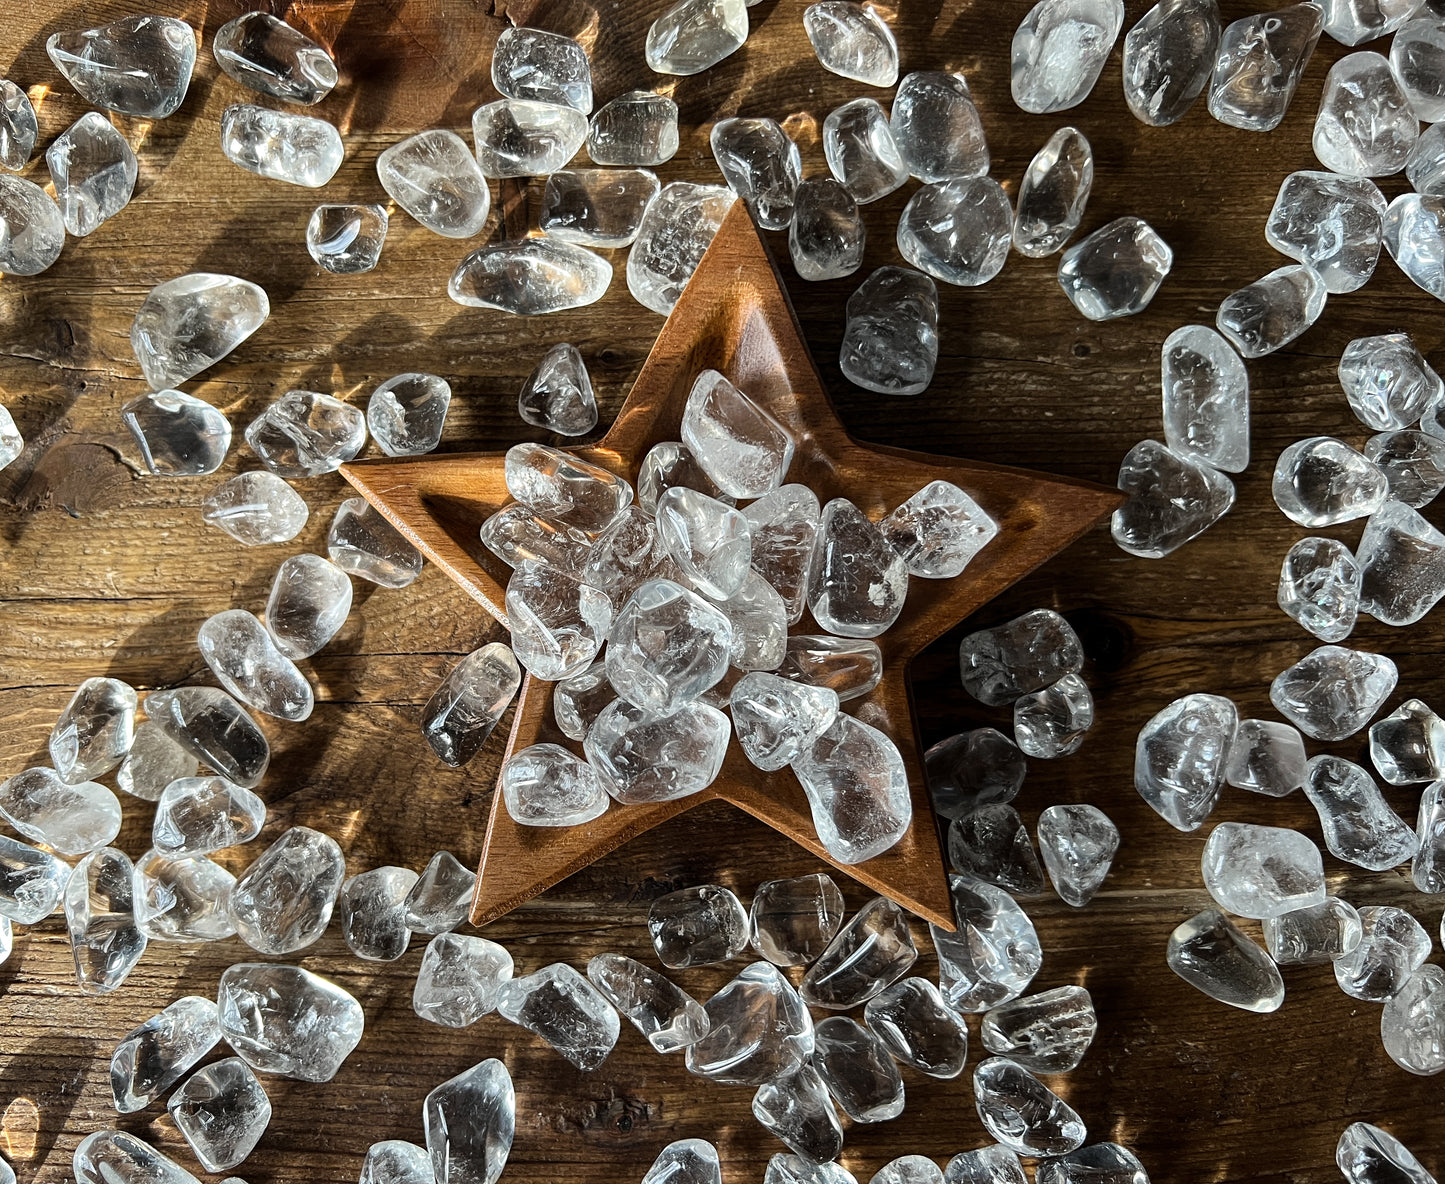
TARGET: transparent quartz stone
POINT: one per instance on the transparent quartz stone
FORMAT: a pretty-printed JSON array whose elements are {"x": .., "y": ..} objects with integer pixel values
[
  {"x": 95, "y": 731},
  {"x": 138, "y": 65},
  {"x": 470, "y": 702},
  {"x": 1365, "y": 127},
  {"x": 470, "y": 1121},
  {"x": 246, "y": 661},
  {"x": 677, "y": 228},
  {"x": 994, "y": 952},
  {"x": 1210, "y": 953},
  {"x": 362, "y": 542},
  {"x": 405, "y": 414},
  {"x": 667, "y": 646},
  {"x": 976, "y": 768},
  {"x": 372, "y": 908},
  {"x": 434, "y": 177},
  {"x": 199, "y": 815},
  {"x": 214, "y": 728},
  {"x": 1168, "y": 57},
  {"x": 283, "y": 1019},
  {"x": 857, "y": 789},
  {"x": 872, "y": 951},
  {"x": 826, "y": 236},
  {"x": 1368, "y": 1155},
  {"x": 991, "y": 843},
  {"x": 937, "y": 128},
  {"x": 761, "y": 164},
  {"x": 1045, "y": 1033},
  {"x": 1116, "y": 270},
  {"x": 1078, "y": 844},
  {"x": 695, "y": 35},
  {"x": 1319, "y": 933},
  {"x": 1053, "y": 193},
  {"x": 1022, "y": 1113},
  {"x": 522, "y": 138},
  {"x": 759, "y": 1030},
  {"x": 256, "y": 509},
  {"x": 545, "y": 785},
  {"x": 1352, "y": 22},
  {"x": 597, "y": 207},
  {"x": 848, "y": 667},
  {"x": 439, "y": 900},
  {"x": 1266, "y": 757},
  {"x": 284, "y": 900},
  {"x": 636, "y": 128},
  {"x": 1059, "y": 50},
  {"x": 1402, "y": 565},
  {"x": 1330, "y": 223},
  {"x": 71, "y": 819},
  {"x": 1026, "y": 654},
  {"x": 919, "y": 1028},
  {"x": 1322, "y": 481},
  {"x": 643, "y": 756},
  {"x": 861, "y": 152},
  {"x": 1413, "y": 464},
  {"x": 1388, "y": 381},
  {"x": 268, "y": 55},
  {"x": 1258, "y": 65},
  {"x": 698, "y": 926},
  {"x": 106, "y": 1156},
  {"x": 1408, "y": 745},
  {"x": 1333, "y": 692},
  {"x": 545, "y": 67},
  {"x": 1415, "y": 239},
  {"x": 663, "y": 1012},
  {"x": 890, "y": 342},
  {"x": 1417, "y": 55},
  {"x": 1206, "y": 399},
  {"x": 309, "y": 602},
  {"x": 151, "y": 1058},
  {"x": 346, "y": 239},
  {"x": 858, "y": 1070},
  {"x": 530, "y": 277},
  {"x": 34, "y": 231},
  {"x": 460, "y": 979},
  {"x": 188, "y": 324},
  {"x": 94, "y": 171},
  {"x": 178, "y": 435},
  {"x": 852, "y": 40},
  {"x": 18, "y": 126},
  {"x": 858, "y": 581},
  {"x": 564, "y": 1009},
  {"x": 1392, "y": 946},
  {"x": 306, "y": 434},
  {"x": 1054, "y": 721},
  {"x": 1262, "y": 871},
  {"x": 1359, "y": 825},
  {"x": 281, "y": 146},
  {"x": 222, "y": 1110},
  {"x": 1181, "y": 757},
  {"x": 100, "y": 918},
  {"x": 798, "y": 1110},
  {"x": 736, "y": 441},
  {"x": 793, "y": 921}
]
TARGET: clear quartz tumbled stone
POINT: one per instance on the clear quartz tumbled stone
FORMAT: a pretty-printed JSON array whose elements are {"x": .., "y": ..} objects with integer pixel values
[
  {"x": 283, "y": 902},
  {"x": 222, "y": 1111},
  {"x": 857, "y": 1069},
  {"x": 734, "y": 439},
  {"x": 1368, "y": 1155},
  {"x": 1267, "y": 757},
  {"x": 826, "y": 236},
  {"x": 268, "y": 55},
  {"x": 667, "y": 646},
  {"x": 405, "y": 414},
  {"x": 1172, "y": 500},
  {"x": 991, "y": 843},
  {"x": 460, "y": 979},
  {"x": 434, "y": 177},
  {"x": 470, "y": 1121},
  {"x": 439, "y": 900},
  {"x": 776, "y": 719},
  {"x": 395, "y": 1161},
  {"x": 1353, "y": 22},
  {"x": 522, "y": 138},
  {"x": 189, "y": 323},
  {"x": 558, "y": 393},
  {"x": 1258, "y": 65},
  {"x": 1059, "y": 50},
  {"x": 709, "y": 541},
  {"x": 1078, "y": 844},
  {"x": 1322, "y": 481},
  {"x": 1402, "y": 565},
  {"x": 283, "y": 1019},
  {"x": 346, "y": 239},
  {"x": 256, "y": 509},
  {"x": 1116, "y": 270},
  {"x": 857, "y": 789},
  {"x": 1412, "y": 1024},
  {"x": 178, "y": 434},
  {"x": 695, "y": 35},
  {"x": 625, "y": 556},
  {"x": 1391, "y": 947},
  {"x": 1413, "y": 463},
  {"x": 95, "y": 731},
  {"x": 759, "y": 1030},
  {"x": 697, "y": 926},
  {"x": 676, "y": 230},
  {"x": 636, "y": 128},
  {"x": 643, "y": 756},
  {"x": 214, "y": 728},
  {"x": 971, "y": 769},
  {"x": 784, "y": 526},
  {"x": 70, "y": 819},
  {"x": 1332, "y": 224},
  {"x": 663, "y": 1012},
  {"x": 993, "y": 954},
  {"x": 861, "y": 152},
  {"x": 1210, "y": 953},
  {"x": 1365, "y": 127},
  {"x": 858, "y": 582},
  {"x": 1022, "y": 1113},
  {"x": 1425, "y": 166},
  {"x": 32, "y": 882},
  {"x": 545, "y": 785},
  {"x": 281, "y": 146},
  {"x": 919, "y": 1028},
  {"x": 182, "y": 900},
  {"x": 1333, "y": 692},
  {"x": 1181, "y": 757},
  {"x": 1427, "y": 868},
  {"x": 1419, "y": 64},
  {"x": 1408, "y": 745},
  {"x": 530, "y": 277},
  {"x": 1054, "y": 721},
  {"x": 873, "y": 950},
  {"x": 34, "y": 231},
  {"x": 687, "y": 1161},
  {"x": 937, "y": 128},
  {"x": 1415, "y": 239},
  {"x": 1358, "y": 824},
  {"x": 1388, "y": 381},
  {"x": 850, "y": 668},
  {"x": 957, "y": 230},
  {"x": 890, "y": 342},
  {"x": 1168, "y": 57},
  {"x": 361, "y": 542},
  {"x": 151, "y": 1058},
  {"x": 793, "y": 921},
  {"x": 108, "y": 1156},
  {"x": 852, "y": 40},
  {"x": 307, "y": 434},
  {"x": 597, "y": 207},
  {"x": 372, "y": 906},
  {"x": 564, "y": 1009},
  {"x": 309, "y": 602},
  {"x": 1045, "y": 1033},
  {"x": 138, "y": 65},
  {"x": 1026, "y": 654},
  {"x": 94, "y": 171},
  {"x": 1206, "y": 399},
  {"x": 541, "y": 66},
  {"x": 798, "y": 1110},
  {"x": 1262, "y": 871},
  {"x": 246, "y": 661},
  {"x": 761, "y": 164},
  {"x": 100, "y": 918},
  {"x": 470, "y": 702},
  {"x": 18, "y": 126},
  {"x": 199, "y": 815},
  {"x": 994, "y": 1164},
  {"x": 1053, "y": 193},
  {"x": 1319, "y": 933}
]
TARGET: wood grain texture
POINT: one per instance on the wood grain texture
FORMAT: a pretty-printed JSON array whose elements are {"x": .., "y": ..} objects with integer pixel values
[{"x": 102, "y": 571}]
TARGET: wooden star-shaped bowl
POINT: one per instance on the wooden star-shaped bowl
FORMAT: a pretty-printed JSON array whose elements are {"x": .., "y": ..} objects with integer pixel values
[{"x": 735, "y": 317}]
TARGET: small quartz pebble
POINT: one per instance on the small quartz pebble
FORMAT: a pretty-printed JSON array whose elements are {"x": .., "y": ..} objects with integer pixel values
[
  {"x": 557, "y": 395},
  {"x": 972, "y": 769},
  {"x": 347, "y": 239},
  {"x": 1210, "y": 953},
  {"x": 776, "y": 719},
  {"x": 1045, "y": 1033},
  {"x": 309, "y": 602},
  {"x": 268, "y": 55},
  {"x": 34, "y": 229},
  {"x": 686, "y": 1161},
  {"x": 100, "y": 918},
  {"x": 857, "y": 789},
  {"x": 1116, "y": 270},
  {"x": 858, "y": 581},
  {"x": 363, "y": 543},
  {"x": 1425, "y": 166},
  {"x": 1259, "y": 63},
  {"x": 625, "y": 556},
  {"x": 992, "y": 843},
  {"x": 405, "y": 414},
  {"x": 521, "y": 138},
  {"x": 95, "y": 731},
  {"x": 890, "y": 343},
  {"x": 873, "y": 950},
  {"x": 646, "y": 756},
  {"x": 698, "y": 926},
  {"x": 677, "y": 228},
  {"x": 861, "y": 152},
  {"x": 848, "y": 667},
  {"x": 826, "y": 236},
  {"x": 283, "y": 901},
  {"x": 919, "y": 1028},
  {"x": 1078, "y": 844},
  {"x": 148, "y": 1060},
  {"x": 1099, "y": 1163},
  {"x": 564, "y": 1009},
  {"x": 222, "y": 1111},
  {"x": 1368, "y": 1155},
  {"x": 938, "y": 530},
  {"x": 1317, "y": 934},
  {"x": 671, "y": 463},
  {"x": 1168, "y": 57},
  {"x": 852, "y": 40},
  {"x": 1359, "y": 825},
  {"x": 545, "y": 785},
  {"x": 1415, "y": 239},
  {"x": 1023, "y": 655},
  {"x": 178, "y": 435},
  {"x": 1053, "y": 193},
  {"x": 993, "y": 954},
  {"x": 281, "y": 146},
  {"x": 33, "y": 881},
  {"x": 1059, "y": 50},
  {"x": 306, "y": 434},
  {"x": 1402, "y": 565},
  {"x": 1262, "y": 871},
  {"x": 759, "y": 1030},
  {"x": 761, "y": 164},
  {"x": 1054, "y": 721},
  {"x": 18, "y": 126},
  {"x": 1022, "y": 1113},
  {"x": 1408, "y": 745},
  {"x": 579, "y": 700},
  {"x": 957, "y": 230},
  {"x": 183, "y": 899},
  {"x": 1412, "y": 1024},
  {"x": 1413, "y": 463},
  {"x": 71, "y": 819},
  {"x": 138, "y": 65},
  {"x": 470, "y": 1121},
  {"x": 1267, "y": 757},
  {"x": 1206, "y": 399},
  {"x": 1172, "y": 500},
  {"x": 1365, "y": 127},
  {"x": 1333, "y": 692},
  {"x": 439, "y": 900},
  {"x": 1181, "y": 757},
  {"x": 856, "y": 1067},
  {"x": 667, "y": 646},
  {"x": 245, "y": 660},
  {"x": 1271, "y": 312},
  {"x": 460, "y": 979},
  {"x": 908, "y": 1169},
  {"x": 1388, "y": 382},
  {"x": 1322, "y": 481},
  {"x": 546, "y": 67},
  {"x": 1427, "y": 869},
  {"x": 798, "y": 1110},
  {"x": 734, "y": 439},
  {"x": 373, "y": 913},
  {"x": 794, "y": 1169},
  {"x": 283, "y": 1019},
  {"x": 1319, "y": 586},
  {"x": 695, "y": 35},
  {"x": 937, "y": 128},
  {"x": 1415, "y": 56},
  {"x": 663, "y": 1012},
  {"x": 188, "y": 324},
  {"x": 1331, "y": 223},
  {"x": 94, "y": 171},
  {"x": 215, "y": 729},
  {"x": 199, "y": 815},
  {"x": 1392, "y": 946},
  {"x": 557, "y": 483},
  {"x": 559, "y": 624},
  {"x": 114, "y": 1157},
  {"x": 434, "y": 177},
  {"x": 256, "y": 509},
  {"x": 994, "y": 1164},
  {"x": 395, "y": 1161},
  {"x": 793, "y": 921},
  {"x": 470, "y": 702},
  {"x": 530, "y": 277},
  {"x": 636, "y": 128},
  {"x": 710, "y": 542}
]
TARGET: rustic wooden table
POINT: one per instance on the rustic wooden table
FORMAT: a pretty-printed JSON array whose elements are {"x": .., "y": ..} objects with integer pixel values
[{"x": 106, "y": 571}]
